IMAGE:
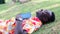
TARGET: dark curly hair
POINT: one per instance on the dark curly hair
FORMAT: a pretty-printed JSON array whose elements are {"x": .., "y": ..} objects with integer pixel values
[{"x": 46, "y": 16}]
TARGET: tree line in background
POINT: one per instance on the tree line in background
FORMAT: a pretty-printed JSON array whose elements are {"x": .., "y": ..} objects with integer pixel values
[
  {"x": 21, "y": 1},
  {"x": 2, "y": 1}
]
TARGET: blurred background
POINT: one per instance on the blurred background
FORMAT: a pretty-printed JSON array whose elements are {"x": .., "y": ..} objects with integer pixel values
[{"x": 10, "y": 8}]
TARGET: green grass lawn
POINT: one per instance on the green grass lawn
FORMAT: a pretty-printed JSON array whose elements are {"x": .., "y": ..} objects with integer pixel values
[{"x": 8, "y": 11}]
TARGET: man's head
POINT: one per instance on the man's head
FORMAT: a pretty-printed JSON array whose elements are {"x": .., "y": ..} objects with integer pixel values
[{"x": 45, "y": 16}]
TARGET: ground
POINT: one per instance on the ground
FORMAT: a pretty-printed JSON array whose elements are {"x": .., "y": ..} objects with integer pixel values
[{"x": 10, "y": 10}]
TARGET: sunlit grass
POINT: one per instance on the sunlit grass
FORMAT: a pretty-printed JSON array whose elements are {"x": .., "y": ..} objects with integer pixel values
[{"x": 32, "y": 7}]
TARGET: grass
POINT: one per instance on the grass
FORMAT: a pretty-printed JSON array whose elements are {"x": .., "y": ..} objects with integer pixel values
[{"x": 52, "y": 28}]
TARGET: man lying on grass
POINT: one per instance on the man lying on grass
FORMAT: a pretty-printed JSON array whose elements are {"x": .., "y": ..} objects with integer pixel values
[
  {"x": 34, "y": 23},
  {"x": 25, "y": 24}
]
